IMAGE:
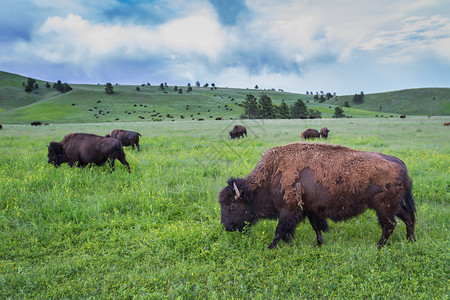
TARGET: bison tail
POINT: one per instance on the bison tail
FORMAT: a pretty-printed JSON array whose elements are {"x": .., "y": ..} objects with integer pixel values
[
  {"x": 410, "y": 205},
  {"x": 138, "y": 133}
]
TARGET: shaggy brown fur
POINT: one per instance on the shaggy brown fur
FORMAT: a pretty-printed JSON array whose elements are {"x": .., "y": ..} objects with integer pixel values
[
  {"x": 85, "y": 149},
  {"x": 310, "y": 134},
  {"x": 447, "y": 124},
  {"x": 350, "y": 170},
  {"x": 238, "y": 131},
  {"x": 324, "y": 132},
  {"x": 319, "y": 181},
  {"x": 126, "y": 137}
]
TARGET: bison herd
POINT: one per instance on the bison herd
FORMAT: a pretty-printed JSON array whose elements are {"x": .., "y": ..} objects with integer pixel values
[
  {"x": 85, "y": 149},
  {"x": 301, "y": 180}
]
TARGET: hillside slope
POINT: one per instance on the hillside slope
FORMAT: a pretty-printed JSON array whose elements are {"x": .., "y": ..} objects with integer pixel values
[{"x": 90, "y": 103}]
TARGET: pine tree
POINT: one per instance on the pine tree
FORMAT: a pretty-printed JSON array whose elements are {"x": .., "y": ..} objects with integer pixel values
[
  {"x": 266, "y": 107},
  {"x": 298, "y": 109},
  {"x": 283, "y": 111}
]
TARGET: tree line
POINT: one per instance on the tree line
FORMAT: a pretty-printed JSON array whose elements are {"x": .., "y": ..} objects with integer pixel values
[
  {"x": 263, "y": 108},
  {"x": 32, "y": 85}
]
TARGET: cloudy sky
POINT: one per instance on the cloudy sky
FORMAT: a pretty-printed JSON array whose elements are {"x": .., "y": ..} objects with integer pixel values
[{"x": 342, "y": 46}]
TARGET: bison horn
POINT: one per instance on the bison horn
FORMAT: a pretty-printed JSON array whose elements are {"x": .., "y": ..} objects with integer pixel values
[
  {"x": 236, "y": 190},
  {"x": 47, "y": 146}
]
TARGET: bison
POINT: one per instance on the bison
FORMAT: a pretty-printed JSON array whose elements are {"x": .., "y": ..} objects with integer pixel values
[
  {"x": 310, "y": 134},
  {"x": 128, "y": 138},
  {"x": 1, "y": 127},
  {"x": 324, "y": 132},
  {"x": 238, "y": 131},
  {"x": 445, "y": 124},
  {"x": 320, "y": 182},
  {"x": 36, "y": 123},
  {"x": 86, "y": 149}
]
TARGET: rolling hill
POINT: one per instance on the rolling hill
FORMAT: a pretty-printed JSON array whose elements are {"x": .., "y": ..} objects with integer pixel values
[{"x": 90, "y": 103}]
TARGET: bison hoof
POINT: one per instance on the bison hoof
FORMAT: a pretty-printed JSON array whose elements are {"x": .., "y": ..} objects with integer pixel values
[{"x": 272, "y": 245}]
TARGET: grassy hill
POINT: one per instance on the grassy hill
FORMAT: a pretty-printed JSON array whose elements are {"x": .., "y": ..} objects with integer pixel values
[{"x": 89, "y": 103}]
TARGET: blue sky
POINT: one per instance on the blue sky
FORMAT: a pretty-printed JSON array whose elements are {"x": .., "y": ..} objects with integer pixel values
[{"x": 344, "y": 46}]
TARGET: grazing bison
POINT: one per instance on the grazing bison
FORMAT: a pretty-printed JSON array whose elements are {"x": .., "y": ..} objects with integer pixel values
[
  {"x": 445, "y": 124},
  {"x": 86, "y": 149},
  {"x": 36, "y": 123},
  {"x": 324, "y": 132},
  {"x": 310, "y": 134},
  {"x": 1, "y": 127},
  {"x": 128, "y": 138},
  {"x": 319, "y": 181},
  {"x": 402, "y": 116},
  {"x": 238, "y": 131}
]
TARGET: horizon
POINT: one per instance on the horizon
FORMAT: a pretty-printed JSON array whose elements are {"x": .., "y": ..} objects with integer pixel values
[{"x": 297, "y": 47}]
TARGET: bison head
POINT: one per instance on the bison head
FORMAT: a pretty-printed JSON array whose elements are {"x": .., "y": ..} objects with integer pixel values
[
  {"x": 234, "y": 200},
  {"x": 55, "y": 154}
]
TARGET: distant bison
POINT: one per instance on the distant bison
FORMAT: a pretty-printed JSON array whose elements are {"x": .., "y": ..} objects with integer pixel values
[
  {"x": 36, "y": 123},
  {"x": 324, "y": 132},
  {"x": 310, "y": 134},
  {"x": 128, "y": 138},
  {"x": 445, "y": 124},
  {"x": 319, "y": 181},
  {"x": 402, "y": 116},
  {"x": 238, "y": 131},
  {"x": 86, "y": 149},
  {"x": 1, "y": 127}
]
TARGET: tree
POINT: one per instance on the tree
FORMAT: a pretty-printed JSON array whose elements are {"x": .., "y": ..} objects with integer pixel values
[
  {"x": 47, "y": 85},
  {"x": 213, "y": 85},
  {"x": 298, "y": 109},
  {"x": 315, "y": 113},
  {"x": 30, "y": 85},
  {"x": 189, "y": 89},
  {"x": 338, "y": 112},
  {"x": 256, "y": 87},
  {"x": 205, "y": 85},
  {"x": 66, "y": 88},
  {"x": 161, "y": 86},
  {"x": 138, "y": 89},
  {"x": 329, "y": 96},
  {"x": 251, "y": 107},
  {"x": 197, "y": 84},
  {"x": 346, "y": 104},
  {"x": 283, "y": 110},
  {"x": 358, "y": 98},
  {"x": 266, "y": 107},
  {"x": 175, "y": 89},
  {"x": 109, "y": 89}
]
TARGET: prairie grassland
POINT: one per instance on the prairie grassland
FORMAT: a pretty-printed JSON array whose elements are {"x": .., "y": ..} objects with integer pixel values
[{"x": 156, "y": 233}]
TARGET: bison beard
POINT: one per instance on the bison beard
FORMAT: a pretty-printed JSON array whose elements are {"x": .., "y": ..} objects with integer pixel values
[
  {"x": 86, "y": 149},
  {"x": 320, "y": 182}
]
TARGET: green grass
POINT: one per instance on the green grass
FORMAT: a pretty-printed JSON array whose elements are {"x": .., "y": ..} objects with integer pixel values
[
  {"x": 81, "y": 105},
  {"x": 156, "y": 233}
]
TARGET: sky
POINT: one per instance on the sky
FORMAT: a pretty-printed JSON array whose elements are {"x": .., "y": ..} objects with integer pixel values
[{"x": 340, "y": 46}]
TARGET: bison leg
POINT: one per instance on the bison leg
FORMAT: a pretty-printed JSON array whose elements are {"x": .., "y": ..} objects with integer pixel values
[
  {"x": 319, "y": 224},
  {"x": 124, "y": 162},
  {"x": 111, "y": 164},
  {"x": 137, "y": 145},
  {"x": 409, "y": 221},
  {"x": 286, "y": 227},
  {"x": 388, "y": 224}
]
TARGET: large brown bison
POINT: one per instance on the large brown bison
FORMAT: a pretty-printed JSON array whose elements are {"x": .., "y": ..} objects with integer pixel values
[
  {"x": 324, "y": 132},
  {"x": 128, "y": 138},
  {"x": 238, "y": 131},
  {"x": 36, "y": 123},
  {"x": 320, "y": 182},
  {"x": 86, "y": 149},
  {"x": 310, "y": 134}
]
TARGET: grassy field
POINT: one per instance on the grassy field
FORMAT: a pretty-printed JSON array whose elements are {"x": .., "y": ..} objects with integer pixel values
[
  {"x": 90, "y": 104},
  {"x": 156, "y": 233}
]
